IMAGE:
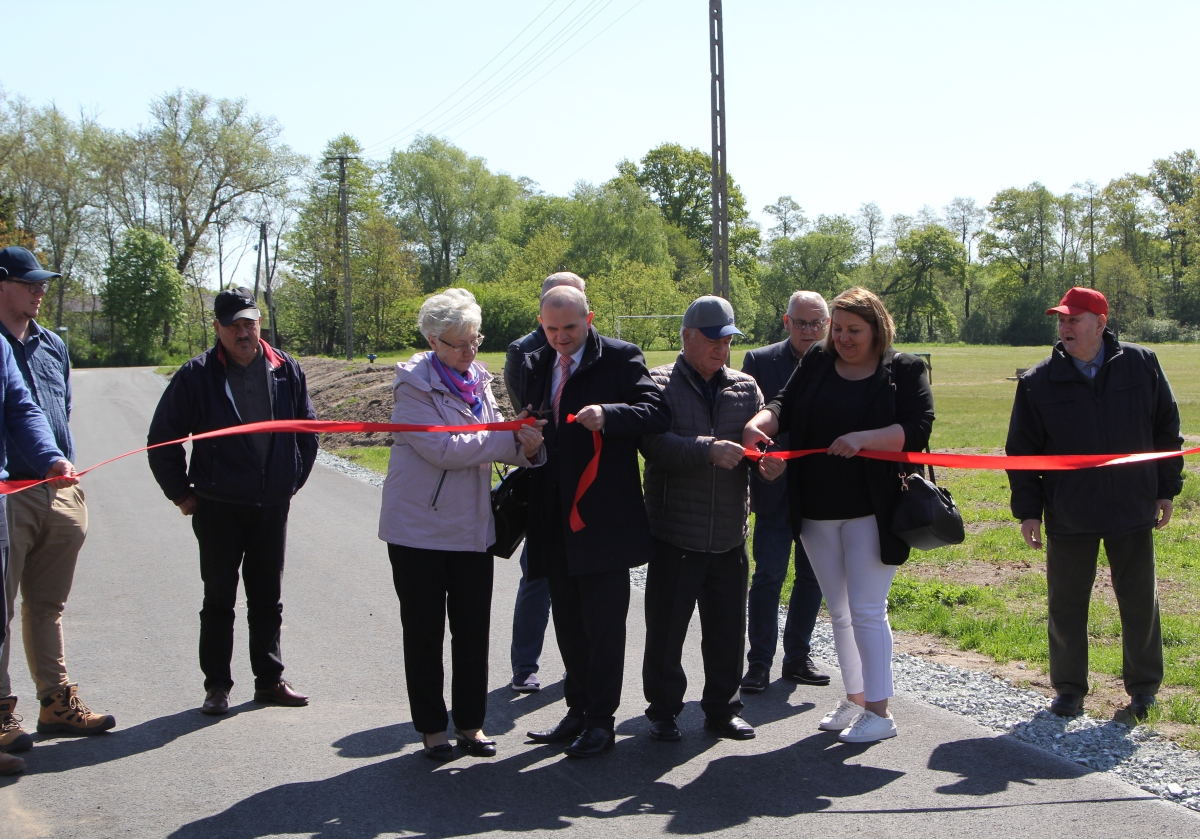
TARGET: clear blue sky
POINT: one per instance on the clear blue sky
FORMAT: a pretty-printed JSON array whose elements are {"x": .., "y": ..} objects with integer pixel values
[{"x": 835, "y": 102}]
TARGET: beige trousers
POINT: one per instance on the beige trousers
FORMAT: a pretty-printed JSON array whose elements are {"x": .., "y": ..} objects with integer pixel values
[{"x": 46, "y": 529}]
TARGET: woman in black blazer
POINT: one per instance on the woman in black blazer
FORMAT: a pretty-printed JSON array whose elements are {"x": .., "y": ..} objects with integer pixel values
[{"x": 849, "y": 393}]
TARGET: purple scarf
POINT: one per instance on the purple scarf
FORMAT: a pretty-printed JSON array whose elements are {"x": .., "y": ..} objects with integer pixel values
[{"x": 466, "y": 388}]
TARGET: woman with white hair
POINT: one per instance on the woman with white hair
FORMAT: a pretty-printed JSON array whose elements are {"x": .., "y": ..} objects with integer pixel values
[{"x": 437, "y": 519}]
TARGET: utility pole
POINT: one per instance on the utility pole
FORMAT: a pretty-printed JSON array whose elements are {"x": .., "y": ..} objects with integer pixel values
[
  {"x": 720, "y": 191},
  {"x": 264, "y": 247},
  {"x": 344, "y": 236}
]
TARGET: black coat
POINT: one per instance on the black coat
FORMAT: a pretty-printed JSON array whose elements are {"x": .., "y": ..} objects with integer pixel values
[
  {"x": 617, "y": 531},
  {"x": 1127, "y": 408},
  {"x": 227, "y": 468},
  {"x": 771, "y": 366},
  {"x": 899, "y": 393}
]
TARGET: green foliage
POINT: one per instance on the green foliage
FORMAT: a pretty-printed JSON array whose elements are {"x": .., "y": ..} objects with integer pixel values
[
  {"x": 143, "y": 295},
  {"x": 818, "y": 260}
]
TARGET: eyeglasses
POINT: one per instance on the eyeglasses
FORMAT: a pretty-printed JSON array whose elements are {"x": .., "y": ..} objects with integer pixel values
[
  {"x": 808, "y": 325},
  {"x": 34, "y": 288},
  {"x": 462, "y": 349}
]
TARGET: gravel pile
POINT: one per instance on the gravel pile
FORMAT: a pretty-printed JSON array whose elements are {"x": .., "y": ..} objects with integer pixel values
[{"x": 1138, "y": 756}]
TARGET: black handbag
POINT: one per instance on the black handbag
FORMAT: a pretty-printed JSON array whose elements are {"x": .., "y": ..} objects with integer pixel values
[
  {"x": 510, "y": 509},
  {"x": 926, "y": 516}
]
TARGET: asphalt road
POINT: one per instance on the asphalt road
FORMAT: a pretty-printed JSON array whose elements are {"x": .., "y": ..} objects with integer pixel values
[{"x": 349, "y": 765}]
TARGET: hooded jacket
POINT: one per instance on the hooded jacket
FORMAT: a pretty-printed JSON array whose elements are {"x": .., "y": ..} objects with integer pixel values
[
  {"x": 437, "y": 495},
  {"x": 1127, "y": 408},
  {"x": 227, "y": 469}
]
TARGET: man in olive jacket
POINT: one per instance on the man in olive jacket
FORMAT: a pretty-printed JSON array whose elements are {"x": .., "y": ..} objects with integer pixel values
[
  {"x": 1095, "y": 395},
  {"x": 697, "y": 496}
]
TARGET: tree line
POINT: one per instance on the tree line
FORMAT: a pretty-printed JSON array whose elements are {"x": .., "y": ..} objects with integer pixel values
[{"x": 146, "y": 224}]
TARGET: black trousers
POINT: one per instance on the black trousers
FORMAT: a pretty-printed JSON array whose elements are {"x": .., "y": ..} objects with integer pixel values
[
  {"x": 1070, "y": 575},
  {"x": 252, "y": 539},
  {"x": 675, "y": 582},
  {"x": 589, "y": 622},
  {"x": 433, "y": 586}
]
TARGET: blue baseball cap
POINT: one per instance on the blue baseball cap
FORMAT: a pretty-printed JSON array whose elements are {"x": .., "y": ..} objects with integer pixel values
[
  {"x": 713, "y": 316},
  {"x": 21, "y": 265}
]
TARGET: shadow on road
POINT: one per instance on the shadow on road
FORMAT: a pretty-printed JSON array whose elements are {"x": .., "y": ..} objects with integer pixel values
[
  {"x": 539, "y": 789},
  {"x": 988, "y": 765}
]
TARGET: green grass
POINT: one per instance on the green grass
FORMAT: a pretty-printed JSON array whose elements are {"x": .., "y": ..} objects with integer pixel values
[{"x": 374, "y": 458}]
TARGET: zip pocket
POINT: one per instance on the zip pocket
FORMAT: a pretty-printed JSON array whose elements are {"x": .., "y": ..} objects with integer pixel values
[{"x": 438, "y": 491}]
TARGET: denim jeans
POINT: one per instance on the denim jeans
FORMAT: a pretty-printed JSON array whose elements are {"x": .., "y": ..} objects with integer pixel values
[
  {"x": 772, "y": 548},
  {"x": 530, "y": 616}
]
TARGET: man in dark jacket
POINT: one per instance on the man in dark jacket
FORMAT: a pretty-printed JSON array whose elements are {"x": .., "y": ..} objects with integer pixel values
[
  {"x": 806, "y": 321},
  {"x": 1095, "y": 395},
  {"x": 238, "y": 489},
  {"x": 696, "y": 495},
  {"x": 532, "y": 609},
  {"x": 586, "y": 544}
]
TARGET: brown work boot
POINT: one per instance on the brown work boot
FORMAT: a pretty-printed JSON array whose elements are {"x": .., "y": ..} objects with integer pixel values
[
  {"x": 64, "y": 713},
  {"x": 12, "y": 737},
  {"x": 10, "y": 765}
]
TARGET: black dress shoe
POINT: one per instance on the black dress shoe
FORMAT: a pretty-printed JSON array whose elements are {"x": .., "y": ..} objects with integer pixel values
[
  {"x": 216, "y": 702},
  {"x": 1140, "y": 705},
  {"x": 804, "y": 672},
  {"x": 756, "y": 679},
  {"x": 735, "y": 728},
  {"x": 1067, "y": 705},
  {"x": 441, "y": 752},
  {"x": 475, "y": 747},
  {"x": 666, "y": 730},
  {"x": 593, "y": 742},
  {"x": 568, "y": 728}
]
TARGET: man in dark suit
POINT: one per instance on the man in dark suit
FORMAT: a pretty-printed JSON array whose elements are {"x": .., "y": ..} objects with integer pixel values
[
  {"x": 771, "y": 366},
  {"x": 532, "y": 609},
  {"x": 605, "y": 384}
]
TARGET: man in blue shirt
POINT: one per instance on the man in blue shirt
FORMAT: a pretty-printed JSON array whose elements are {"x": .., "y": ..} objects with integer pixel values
[{"x": 47, "y": 523}]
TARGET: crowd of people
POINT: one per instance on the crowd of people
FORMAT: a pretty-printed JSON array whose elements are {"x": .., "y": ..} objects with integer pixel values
[{"x": 834, "y": 383}]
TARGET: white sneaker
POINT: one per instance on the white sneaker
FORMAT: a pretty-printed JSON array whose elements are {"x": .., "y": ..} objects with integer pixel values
[
  {"x": 840, "y": 717},
  {"x": 869, "y": 727}
]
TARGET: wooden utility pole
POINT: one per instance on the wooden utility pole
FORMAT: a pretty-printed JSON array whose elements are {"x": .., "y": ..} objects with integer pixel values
[
  {"x": 344, "y": 236},
  {"x": 720, "y": 191}
]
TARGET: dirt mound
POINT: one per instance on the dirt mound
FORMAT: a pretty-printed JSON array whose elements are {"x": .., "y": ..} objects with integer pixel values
[{"x": 357, "y": 392}]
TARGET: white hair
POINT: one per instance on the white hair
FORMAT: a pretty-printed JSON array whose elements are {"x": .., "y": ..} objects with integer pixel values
[
  {"x": 564, "y": 278},
  {"x": 451, "y": 310},
  {"x": 801, "y": 297}
]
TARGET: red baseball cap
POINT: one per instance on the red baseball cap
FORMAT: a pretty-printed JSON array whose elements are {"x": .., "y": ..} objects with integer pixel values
[{"x": 1079, "y": 300}]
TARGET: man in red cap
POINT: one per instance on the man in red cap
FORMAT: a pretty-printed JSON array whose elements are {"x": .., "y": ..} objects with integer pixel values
[{"x": 1095, "y": 395}]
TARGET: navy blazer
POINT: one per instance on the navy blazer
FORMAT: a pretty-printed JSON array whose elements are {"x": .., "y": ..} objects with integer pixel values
[{"x": 771, "y": 366}]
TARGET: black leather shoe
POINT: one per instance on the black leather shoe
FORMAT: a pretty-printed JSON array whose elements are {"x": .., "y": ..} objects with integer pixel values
[
  {"x": 441, "y": 752},
  {"x": 1140, "y": 705},
  {"x": 216, "y": 702},
  {"x": 1067, "y": 705},
  {"x": 568, "y": 728},
  {"x": 593, "y": 742},
  {"x": 475, "y": 747},
  {"x": 735, "y": 728},
  {"x": 665, "y": 730},
  {"x": 756, "y": 679},
  {"x": 804, "y": 672}
]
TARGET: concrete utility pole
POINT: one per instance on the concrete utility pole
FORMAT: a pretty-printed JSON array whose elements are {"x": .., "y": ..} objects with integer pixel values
[
  {"x": 264, "y": 246},
  {"x": 344, "y": 235},
  {"x": 720, "y": 191}
]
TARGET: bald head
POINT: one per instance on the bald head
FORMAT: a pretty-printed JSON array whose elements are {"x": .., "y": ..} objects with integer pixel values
[
  {"x": 562, "y": 278},
  {"x": 565, "y": 297}
]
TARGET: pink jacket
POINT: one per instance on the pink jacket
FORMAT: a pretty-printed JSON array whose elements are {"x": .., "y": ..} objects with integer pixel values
[{"x": 438, "y": 489}]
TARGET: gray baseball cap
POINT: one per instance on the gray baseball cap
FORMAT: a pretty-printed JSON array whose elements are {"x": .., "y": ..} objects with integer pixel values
[{"x": 713, "y": 316}]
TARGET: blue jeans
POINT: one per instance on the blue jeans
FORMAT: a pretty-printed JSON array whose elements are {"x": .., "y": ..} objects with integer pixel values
[
  {"x": 530, "y": 616},
  {"x": 772, "y": 548}
]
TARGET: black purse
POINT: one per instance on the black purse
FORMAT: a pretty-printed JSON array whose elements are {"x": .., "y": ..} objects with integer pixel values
[
  {"x": 510, "y": 509},
  {"x": 926, "y": 516}
]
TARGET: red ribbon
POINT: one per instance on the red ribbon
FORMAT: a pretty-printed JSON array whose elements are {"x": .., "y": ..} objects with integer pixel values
[
  {"x": 1030, "y": 463},
  {"x": 294, "y": 427},
  {"x": 586, "y": 479}
]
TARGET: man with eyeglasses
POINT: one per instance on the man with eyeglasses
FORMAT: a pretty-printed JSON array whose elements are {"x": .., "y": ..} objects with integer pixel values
[
  {"x": 237, "y": 489},
  {"x": 771, "y": 366},
  {"x": 47, "y": 524}
]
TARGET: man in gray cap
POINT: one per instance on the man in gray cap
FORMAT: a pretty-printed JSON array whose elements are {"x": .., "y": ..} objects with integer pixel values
[{"x": 697, "y": 497}]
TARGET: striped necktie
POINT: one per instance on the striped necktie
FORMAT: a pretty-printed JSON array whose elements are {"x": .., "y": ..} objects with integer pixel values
[{"x": 564, "y": 361}]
